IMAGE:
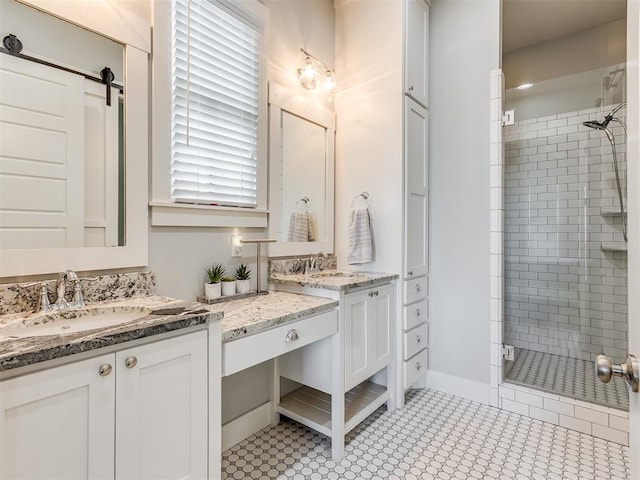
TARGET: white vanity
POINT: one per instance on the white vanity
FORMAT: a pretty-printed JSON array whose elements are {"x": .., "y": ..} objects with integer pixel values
[
  {"x": 130, "y": 392},
  {"x": 340, "y": 381}
]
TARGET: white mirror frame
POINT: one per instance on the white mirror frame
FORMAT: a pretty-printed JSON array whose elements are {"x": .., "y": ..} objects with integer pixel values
[
  {"x": 106, "y": 18},
  {"x": 281, "y": 99}
]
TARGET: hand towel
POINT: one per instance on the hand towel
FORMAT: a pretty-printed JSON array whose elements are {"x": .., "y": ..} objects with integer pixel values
[
  {"x": 360, "y": 237},
  {"x": 300, "y": 228}
]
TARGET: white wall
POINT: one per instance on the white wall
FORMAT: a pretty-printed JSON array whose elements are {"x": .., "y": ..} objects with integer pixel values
[
  {"x": 465, "y": 47},
  {"x": 179, "y": 255},
  {"x": 369, "y": 124},
  {"x": 566, "y": 55}
]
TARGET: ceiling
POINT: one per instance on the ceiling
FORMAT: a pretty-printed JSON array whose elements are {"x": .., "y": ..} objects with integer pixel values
[{"x": 528, "y": 22}]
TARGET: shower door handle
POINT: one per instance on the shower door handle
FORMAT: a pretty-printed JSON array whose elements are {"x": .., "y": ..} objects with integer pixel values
[{"x": 630, "y": 370}]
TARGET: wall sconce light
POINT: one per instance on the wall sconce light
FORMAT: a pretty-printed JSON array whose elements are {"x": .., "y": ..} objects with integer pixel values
[{"x": 314, "y": 72}]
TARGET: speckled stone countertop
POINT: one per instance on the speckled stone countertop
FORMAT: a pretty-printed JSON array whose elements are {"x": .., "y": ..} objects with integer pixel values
[
  {"x": 339, "y": 280},
  {"x": 156, "y": 315},
  {"x": 248, "y": 316}
]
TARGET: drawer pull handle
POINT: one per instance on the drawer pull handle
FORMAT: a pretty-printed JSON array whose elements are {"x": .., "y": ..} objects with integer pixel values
[
  {"x": 417, "y": 366},
  {"x": 292, "y": 336},
  {"x": 417, "y": 312},
  {"x": 130, "y": 362},
  {"x": 105, "y": 369},
  {"x": 376, "y": 293},
  {"x": 418, "y": 338},
  {"x": 417, "y": 287}
]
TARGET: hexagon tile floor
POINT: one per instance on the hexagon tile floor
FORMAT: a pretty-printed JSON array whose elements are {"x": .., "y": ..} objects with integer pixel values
[{"x": 436, "y": 436}]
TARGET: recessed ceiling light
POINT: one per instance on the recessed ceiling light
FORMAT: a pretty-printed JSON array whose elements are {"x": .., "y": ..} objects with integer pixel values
[{"x": 524, "y": 86}]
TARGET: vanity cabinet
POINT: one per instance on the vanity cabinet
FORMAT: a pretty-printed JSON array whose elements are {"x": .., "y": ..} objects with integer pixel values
[
  {"x": 137, "y": 413},
  {"x": 367, "y": 333},
  {"x": 346, "y": 377}
]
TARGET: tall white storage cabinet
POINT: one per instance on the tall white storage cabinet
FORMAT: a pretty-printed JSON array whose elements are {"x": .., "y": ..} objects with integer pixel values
[{"x": 383, "y": 97}]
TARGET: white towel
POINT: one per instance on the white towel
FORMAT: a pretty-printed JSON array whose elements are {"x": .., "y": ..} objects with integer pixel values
[
  {"x": 360, "y": 237},
  {"x": 300, "y": 228}
]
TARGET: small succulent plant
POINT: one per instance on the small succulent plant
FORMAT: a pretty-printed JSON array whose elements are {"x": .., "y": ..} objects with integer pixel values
[
  {"x": 228, "y": 279},
  {"x": 215, "y": 272},
  {"x": 242, "y": 272}
]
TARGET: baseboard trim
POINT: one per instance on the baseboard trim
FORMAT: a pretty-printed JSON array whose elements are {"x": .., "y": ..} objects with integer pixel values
[
  {"x": 458, "y": 386},
  {"x": 236, "y": 430}
]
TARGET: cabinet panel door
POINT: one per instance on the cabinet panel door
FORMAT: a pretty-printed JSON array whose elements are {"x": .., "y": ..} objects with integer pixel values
[
  {"x": 384, "y": 314},
  {"x": 417, "y": 50},
  {"x": 357, "y": 335},
  {"x": 161, "y": 419},
  {"x": 59, "y": 423},
  {"x": 417, "y": 177}
]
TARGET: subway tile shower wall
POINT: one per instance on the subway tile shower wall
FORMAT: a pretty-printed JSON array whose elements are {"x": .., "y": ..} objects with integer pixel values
[{"x": 563, "y": 294}]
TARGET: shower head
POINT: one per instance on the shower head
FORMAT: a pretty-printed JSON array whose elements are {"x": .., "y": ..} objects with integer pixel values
[
  {"x": 603, "y": 125},
  {"x": 597, "y": 125}
]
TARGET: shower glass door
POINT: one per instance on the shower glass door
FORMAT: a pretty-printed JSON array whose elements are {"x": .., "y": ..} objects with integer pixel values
[{"x": 565, "y": 255}]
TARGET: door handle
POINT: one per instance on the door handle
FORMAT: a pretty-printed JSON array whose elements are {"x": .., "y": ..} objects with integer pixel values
[{"x": 629, "y": 370}]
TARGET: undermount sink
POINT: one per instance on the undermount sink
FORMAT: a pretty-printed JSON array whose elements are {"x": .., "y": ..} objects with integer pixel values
[
  {"x": 336, "y": 274},
  {"x": 75, "y": 321}
]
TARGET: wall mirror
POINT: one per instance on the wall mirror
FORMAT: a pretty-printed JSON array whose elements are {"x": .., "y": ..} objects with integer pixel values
[
  {"x": 72, "y": 153},
  {"x": 301, "y": 174}
]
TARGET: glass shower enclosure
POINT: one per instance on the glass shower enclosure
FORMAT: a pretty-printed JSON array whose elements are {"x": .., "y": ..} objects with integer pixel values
[{"x": 565, "y": 251}]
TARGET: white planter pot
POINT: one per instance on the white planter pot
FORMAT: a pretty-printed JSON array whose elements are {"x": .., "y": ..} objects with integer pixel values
[
  {"x": 212, "y": 290},
  {"x": 242, "y": 286},
  {"x": 228, "y": 288}
]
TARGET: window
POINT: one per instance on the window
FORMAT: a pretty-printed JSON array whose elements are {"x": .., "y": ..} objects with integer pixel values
[{"x": 216, "y": 49}]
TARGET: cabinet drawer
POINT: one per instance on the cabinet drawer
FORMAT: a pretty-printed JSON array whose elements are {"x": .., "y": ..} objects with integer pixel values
[
  {"x": 416, "y": 340},
  {"x": 415, "y": 289},
  {"x": 246, "y": 352},
  {"x": 414, "y": 315},
  {"x": 414, "y": 368}
]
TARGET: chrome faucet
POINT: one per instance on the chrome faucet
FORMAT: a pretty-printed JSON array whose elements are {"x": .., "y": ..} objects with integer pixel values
[
  {"x": 311, "y": 265},
  {"x": 62, "y": 284}
]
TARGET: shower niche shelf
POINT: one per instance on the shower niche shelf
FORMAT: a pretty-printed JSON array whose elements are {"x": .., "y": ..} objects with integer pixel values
[
  {"x": 613, "y": 247},
  {"x": 611, "y": 212}
]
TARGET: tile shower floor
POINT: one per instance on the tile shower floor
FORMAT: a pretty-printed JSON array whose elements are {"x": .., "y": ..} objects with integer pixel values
[
  {"x": 436, "y": 436},
  {"x": 570, "y": 377}
]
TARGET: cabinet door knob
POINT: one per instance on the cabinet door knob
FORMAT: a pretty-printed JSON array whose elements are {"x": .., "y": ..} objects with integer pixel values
[
  {"x": 418, "y": 338},
  {"x": 417, "y": 366},
  {"x": 292, "y": 336},
  {"x": 417, "y": 312},
  {"x": 417, "y": 287},
  {"x": 410, "y": 273},
  {"x": 376, "y": 293},
  {"x": 130, "y": 362},
  {"x": 370, "y": 294},
  {"x": 105, "y": 369},
  {"x": 411, "y": 88}
]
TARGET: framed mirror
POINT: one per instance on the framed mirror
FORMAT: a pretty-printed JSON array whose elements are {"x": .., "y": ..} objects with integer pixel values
[
  {"x": 73, "y": 165},
  {"x": 301, "y": 174}
]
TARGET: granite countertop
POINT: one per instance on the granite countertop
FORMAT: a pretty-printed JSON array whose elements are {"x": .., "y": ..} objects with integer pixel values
[
  {"x": 248, "y": 316},
  {"x": 155, "y": 315},
  {"x": 339, "y": 280}
]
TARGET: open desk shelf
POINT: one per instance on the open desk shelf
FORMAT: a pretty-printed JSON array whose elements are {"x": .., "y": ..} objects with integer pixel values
[{"x": 312, "y": 407}]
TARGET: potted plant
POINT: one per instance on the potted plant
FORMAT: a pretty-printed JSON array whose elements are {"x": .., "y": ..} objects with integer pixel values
[
  {"x": 228, "y": 286},
  {"x": 243, "y": 274},
  {"x": 214, "y": 276}
]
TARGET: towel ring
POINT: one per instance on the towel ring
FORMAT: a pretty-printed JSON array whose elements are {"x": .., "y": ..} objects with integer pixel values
[
  {"x": 304, "y": 201},
  {"x": 364, "y": 199}
]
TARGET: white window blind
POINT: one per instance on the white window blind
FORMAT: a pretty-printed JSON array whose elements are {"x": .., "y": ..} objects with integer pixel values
[{"x": 215, "y": 105}]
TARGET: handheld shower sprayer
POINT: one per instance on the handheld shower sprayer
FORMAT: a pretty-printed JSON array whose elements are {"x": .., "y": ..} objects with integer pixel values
[{"x": 603, "y": 126}]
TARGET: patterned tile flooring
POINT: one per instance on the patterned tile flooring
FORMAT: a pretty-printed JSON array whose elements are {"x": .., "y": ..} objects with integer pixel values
[
  {"x": 436, "y": 436},
  {"x": 570, "y": 377}
]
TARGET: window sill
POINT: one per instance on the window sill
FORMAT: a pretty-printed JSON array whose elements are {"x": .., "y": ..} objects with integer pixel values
[{"x": 167, "y": 214}]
